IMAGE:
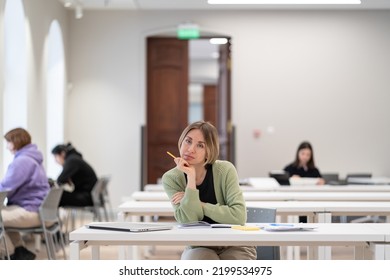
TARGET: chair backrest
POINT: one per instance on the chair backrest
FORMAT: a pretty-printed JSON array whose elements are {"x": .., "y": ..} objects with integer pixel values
[
  {"x": 97, "y": 192},
  {"x": 48, "y": 210},
  {"x": 264, "y": 215},
  {"x": 350, "y": 176},
  {"x": 3, "y": 196},
  {"x": 330, "y": 177}
]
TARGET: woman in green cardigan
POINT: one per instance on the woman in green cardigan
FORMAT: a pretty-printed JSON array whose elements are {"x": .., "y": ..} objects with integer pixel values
[{"x": 202, "y": 188}]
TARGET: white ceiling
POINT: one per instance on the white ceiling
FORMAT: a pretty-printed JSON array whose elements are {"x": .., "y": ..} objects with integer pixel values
[{"x": 202, "y": 5}]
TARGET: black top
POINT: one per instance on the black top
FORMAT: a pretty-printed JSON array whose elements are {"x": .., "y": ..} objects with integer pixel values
[
  {"x": 77, "y": 171},
  {"x": 295, "y": 170},
  {"x": 207, "y": 192}
]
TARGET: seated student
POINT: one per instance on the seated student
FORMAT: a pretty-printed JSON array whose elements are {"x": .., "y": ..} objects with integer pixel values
[
  {"x": 76, "y": 172},
  {"x": 26, "y": 185},
  {"x": 202, "y": 188},
  {"x": 303, "y": 165}
]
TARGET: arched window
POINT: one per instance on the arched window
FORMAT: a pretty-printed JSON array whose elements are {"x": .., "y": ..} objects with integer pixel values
[
  {"x": 55, "y": 91},
  {"x": 15, "y": 74}
]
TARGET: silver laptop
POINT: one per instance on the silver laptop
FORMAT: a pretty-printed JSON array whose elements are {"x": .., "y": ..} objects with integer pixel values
[{"x": 130, "y": 227}]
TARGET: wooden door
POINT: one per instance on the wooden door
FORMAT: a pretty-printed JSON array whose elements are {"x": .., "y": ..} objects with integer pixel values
[
  {"x": 167, "y": 102},
  {"x": 224, "y": 123},
  {"x": 210, "y": 104}
]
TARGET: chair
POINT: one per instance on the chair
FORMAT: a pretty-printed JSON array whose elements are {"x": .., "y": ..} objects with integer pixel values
[
  {"x": 50, "y": 223},
  {"x": 366, "y": 219},
  {"x": 100, "y": 201},
  {"x": 264, "y": 215},
  {"x": 349, "y": 177},
  {"x": 330, "y": 178},
  {"x": 3, "y": 196}
]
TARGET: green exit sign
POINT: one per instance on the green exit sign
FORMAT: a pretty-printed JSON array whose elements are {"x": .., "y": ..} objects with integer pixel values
[{"x": 188, "y": 31}]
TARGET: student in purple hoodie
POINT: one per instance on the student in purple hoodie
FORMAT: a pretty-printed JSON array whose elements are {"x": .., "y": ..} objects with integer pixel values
[{"x": 27, "y": 185}]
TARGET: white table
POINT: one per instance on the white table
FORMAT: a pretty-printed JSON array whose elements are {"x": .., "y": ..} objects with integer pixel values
[
  {"x": 307, "y": 188},
  {"x": 316, "y": 211},
  {"x": 358, "y": 235},
  {"x": 320, "y": 211},
  {"x": 284, "y": 196}
]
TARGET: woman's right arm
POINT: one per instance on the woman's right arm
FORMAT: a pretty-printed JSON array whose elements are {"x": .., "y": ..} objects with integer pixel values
[{"x": 189, "y": 209}]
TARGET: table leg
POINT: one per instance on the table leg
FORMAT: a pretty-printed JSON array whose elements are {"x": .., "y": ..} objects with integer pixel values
[
  {"x": 74, "y": 249},
  {"x": 95, "y": 252},
  {"x": 324, "y": 252},
  {"x": 379, "y": 250}
]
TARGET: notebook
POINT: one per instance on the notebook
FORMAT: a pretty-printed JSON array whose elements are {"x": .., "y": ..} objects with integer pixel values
[
  {"x": 203, "y": 224},
  {"x": 288, "y": 227},
  {"x": 130, "y": 227}
]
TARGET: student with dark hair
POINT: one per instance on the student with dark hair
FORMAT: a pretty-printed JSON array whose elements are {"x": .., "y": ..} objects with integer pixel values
[
  {"x": 203, "y": 188},
  {"x": 76, "y": 172},
  {"x": 26, "y": 185},
  {"x": 303, "y": 165}
]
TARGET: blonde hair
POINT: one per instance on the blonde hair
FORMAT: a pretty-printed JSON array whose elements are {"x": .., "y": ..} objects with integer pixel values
[{"x": 211, "y": 139}]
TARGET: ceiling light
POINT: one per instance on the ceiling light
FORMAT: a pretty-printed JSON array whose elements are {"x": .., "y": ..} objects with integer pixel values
[
  {"x": 78, "y": 12},
  {"x": 67, "y": 4},
  {"x": 286, "y": 2},
  {"x": 218, "y": 41}
]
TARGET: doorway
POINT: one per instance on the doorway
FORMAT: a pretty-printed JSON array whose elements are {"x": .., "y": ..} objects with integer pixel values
[{"x": 176, "y": 96}]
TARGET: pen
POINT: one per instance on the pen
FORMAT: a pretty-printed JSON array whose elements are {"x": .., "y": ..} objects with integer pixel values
[{"x": 171, "y": 154}]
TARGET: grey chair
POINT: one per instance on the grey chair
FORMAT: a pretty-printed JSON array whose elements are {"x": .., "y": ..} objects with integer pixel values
[
  {"x": 350, "y": 176},
  {"x": 264, "y": 215},
  {"x": 100, "y": 203},
  {"x": 3, "y": 196},
  {"x": 364, "y": 219},
  {"x": 50, "y": 223},
  {"x": 330, "y": 178}
]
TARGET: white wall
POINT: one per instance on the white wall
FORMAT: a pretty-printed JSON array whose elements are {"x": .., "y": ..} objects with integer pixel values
[
  {"x": 39, "y": 15},
  {"x": 317, "y": 76}
]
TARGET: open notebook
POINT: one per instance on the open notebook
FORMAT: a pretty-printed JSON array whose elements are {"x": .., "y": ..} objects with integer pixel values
[{"x": 130, "y": 227}]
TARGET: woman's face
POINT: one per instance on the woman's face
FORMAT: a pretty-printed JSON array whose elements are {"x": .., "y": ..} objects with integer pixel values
[
  {"x": 304, "y": 155},
  {"x": 11, "y": 147},
  {"x": 60, "y": 158},
  {"x": 193, "y": 148}
]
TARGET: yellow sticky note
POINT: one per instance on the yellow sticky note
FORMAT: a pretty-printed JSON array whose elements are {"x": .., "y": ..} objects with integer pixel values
[{"x": 245, "y": 227}]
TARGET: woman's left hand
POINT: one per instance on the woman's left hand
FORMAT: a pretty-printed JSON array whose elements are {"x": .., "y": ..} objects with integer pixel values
[{"x": 177, "y": 197}]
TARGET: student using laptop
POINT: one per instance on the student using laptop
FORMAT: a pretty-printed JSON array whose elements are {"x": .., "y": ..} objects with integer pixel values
[
  {"x": 303, "y": 165},
  {"x": 202, "y": 188},
  {"x": 26, "y": 185}
]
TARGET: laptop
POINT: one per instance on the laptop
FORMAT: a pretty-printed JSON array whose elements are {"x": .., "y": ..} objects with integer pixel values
[
  {"x": 130, "y": 227},
  {"x": 282, "y": 177}
]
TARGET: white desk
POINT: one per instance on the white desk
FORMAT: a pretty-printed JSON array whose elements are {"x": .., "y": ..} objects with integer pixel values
[
  {"x": 316, "y": 211},
  {"x": 284, "y": 196},
  {"x": 358, "y": 235},
  {"x": 320, "y": 211},
  {"x": 314, "y": 188}
]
